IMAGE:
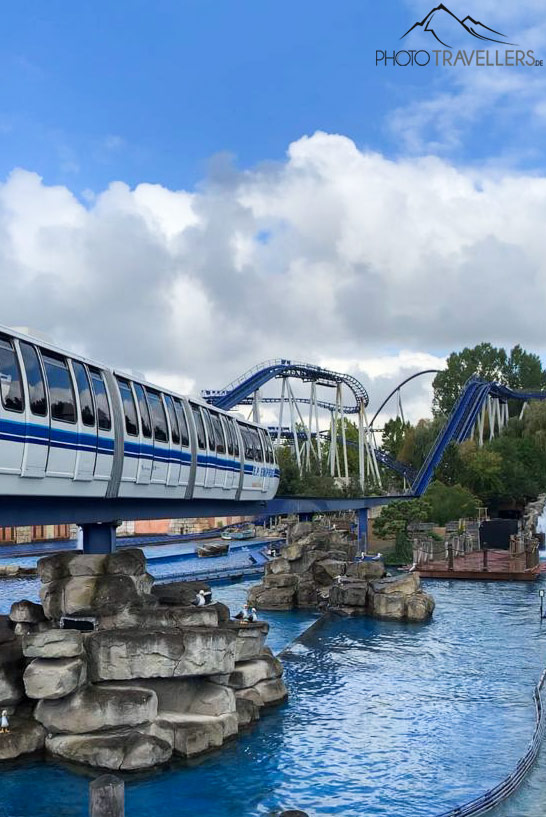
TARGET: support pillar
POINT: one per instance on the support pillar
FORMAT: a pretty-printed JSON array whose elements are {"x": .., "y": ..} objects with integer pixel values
[
  {"x": 305, "y": 517},
  {"x": 362, "y": 530},
  {"x": 99, "y": 537}
]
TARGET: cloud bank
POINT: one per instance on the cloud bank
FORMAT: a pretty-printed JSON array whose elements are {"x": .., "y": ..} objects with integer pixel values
[{"x": 335, "y": 255}]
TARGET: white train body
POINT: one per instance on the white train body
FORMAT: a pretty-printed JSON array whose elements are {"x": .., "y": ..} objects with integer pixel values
[{"x": 72, "y": 427}]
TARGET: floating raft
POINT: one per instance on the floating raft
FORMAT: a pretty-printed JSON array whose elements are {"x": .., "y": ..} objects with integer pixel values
[{"x": 492, "y": 566}]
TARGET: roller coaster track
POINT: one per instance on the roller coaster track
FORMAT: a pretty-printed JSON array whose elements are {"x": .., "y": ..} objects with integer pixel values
[
  {"x": 460, "y": 424},
  {"x": 240, "y": 391}
]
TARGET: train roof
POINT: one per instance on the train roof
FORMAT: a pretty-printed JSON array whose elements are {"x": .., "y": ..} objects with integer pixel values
[{"x": 43, "y": 343}]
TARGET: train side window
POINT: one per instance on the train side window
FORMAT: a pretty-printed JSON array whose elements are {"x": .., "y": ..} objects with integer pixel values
[
  {"x": 159, "y": 418},
  {"x": 101, "y": 400},
  {"x": 11, "y": 387},
  {"x": 84, "y": 393},
  {"x": 263, "y": 441},
  {"x": 35, "y": 379},
  {"x": 144, "y": 411},
  {"x": 199, "y": 427},
  {"x": 129, "y": 408},
  {"x": 182, "y": 422},
  {"x": 248, "y": 443},
  {"x": 61, "y": 392},
  {"x": 210, "y": 430},
  {"x": 219, "y": 434},
  {"x": 233, "y": 423},
  {"x": 175, "y": 433},
  {"x": 258, "y": 453},
  {"x": 270, "y": 448},
  {"x": 228, "y": 433}
]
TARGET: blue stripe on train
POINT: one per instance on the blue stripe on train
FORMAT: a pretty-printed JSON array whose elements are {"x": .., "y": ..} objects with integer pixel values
[{"x": 21, "y": 432}]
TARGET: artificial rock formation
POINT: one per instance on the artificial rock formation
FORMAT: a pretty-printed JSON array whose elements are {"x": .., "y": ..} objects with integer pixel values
[
  {"x": 316, "y": 569},
  {"x": 154, "y": 675}
]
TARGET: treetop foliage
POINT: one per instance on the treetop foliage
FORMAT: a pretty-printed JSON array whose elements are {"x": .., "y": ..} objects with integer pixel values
[{"x": 517, "y": 369}]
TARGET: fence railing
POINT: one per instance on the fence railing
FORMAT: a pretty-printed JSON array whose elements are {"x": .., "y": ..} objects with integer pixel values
[{"x": 508, "y": 786}]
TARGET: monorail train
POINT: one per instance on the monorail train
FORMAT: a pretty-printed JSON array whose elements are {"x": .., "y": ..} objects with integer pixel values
[{"x": 73, "y": 427}]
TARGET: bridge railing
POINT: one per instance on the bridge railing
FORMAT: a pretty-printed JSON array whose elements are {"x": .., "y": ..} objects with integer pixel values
[{"x": 495, "y": 796}]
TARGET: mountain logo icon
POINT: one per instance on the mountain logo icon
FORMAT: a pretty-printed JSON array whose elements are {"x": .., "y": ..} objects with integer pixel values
[{"x": 445, "y": 26}]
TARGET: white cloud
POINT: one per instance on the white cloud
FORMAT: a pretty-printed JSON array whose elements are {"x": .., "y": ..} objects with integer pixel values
[
  {"x": 336, "y": 255},
  {"x": 462, "y": 103}
]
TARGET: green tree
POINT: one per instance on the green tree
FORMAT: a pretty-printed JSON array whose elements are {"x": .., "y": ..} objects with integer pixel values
[
  {"x": 450, "y": 502},
  {"x": 392, "y": 523},
  {"x": 519, "y": 369},
  {"x": 395, "y": 517}
]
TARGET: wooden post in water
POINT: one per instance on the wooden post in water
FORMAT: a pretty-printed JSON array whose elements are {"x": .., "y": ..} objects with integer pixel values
[
  {"x": 485, "y": 558},
  {"x": 107, "y": 797},
  {"x": 450, "y": 554}
]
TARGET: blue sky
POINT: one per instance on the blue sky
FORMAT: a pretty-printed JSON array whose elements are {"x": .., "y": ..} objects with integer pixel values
[
  {"x": 150, "y": 91},
  {"x": 216, "y": 182}
]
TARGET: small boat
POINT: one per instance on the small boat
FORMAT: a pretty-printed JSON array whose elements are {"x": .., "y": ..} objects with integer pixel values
[
  {"x": 213, "y": 549},
  {"x": 239, "y": 532}
]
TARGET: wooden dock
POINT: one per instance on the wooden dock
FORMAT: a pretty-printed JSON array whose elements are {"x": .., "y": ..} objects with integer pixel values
[{"x": 483, "y": 566}]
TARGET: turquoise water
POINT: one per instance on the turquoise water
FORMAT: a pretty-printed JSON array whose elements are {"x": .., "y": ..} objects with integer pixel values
[{"x": 384, "y": 720}]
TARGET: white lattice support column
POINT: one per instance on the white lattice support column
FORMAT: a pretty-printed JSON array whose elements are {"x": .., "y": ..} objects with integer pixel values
[{"x": 339, "y": 400}]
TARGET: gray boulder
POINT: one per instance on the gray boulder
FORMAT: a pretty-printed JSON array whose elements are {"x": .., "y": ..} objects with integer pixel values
[
  {"x": 272, "y": 598},
  {"x": 53, "y": 644},
  {"x": 366, "y": 570},
  {"x": 128, "y": 562},
  {"x": 272, "y": 691},
  {"x": 160, "y": 617},
  {"x": 85, "y": 595},
  {"x": 63, "y": 565},
  {"x": 25, "y": 736},
  {"x": 278, "y": 565},
  {"x": 249, "y": 673},
  {"x": 121, "y": 750},
  {"x": 405, "y": 585},
  {"x": 299, "y": 530},
  {"x": 188, "y": 696},
  {"x": 250, "y": 639},
  {"x": 180, "y": 594},
  {"x": 420, "y": 606},
  {"x": 350, "y": 593},
  {"x": 388, "y": 605},
  {"x": 27, "y": 612},
  {"x": 280, "y": 580},
  {"x": 325, "y": 572},
  {"x": 97, "y": 708},
  {"x": 53, "y": 677},
  {"x": 11, "y": 673},
  {"x": 126, "y": 654}
]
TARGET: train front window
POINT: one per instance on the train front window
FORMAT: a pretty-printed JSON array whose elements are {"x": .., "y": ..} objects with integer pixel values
[
  {"x": 144, "y": 411},
  {"x": 182, "y": 422},
  {"x": 84, "y": 392},
  {"x": 129, "y": 408},
  {"x": 11, "y": 388},
  {"x": 159, "y": 419},
  {"x": 35, "y": 380},
  {"x": 61, "y": 391},
  {"x": 175, "y": 434},
  {"x": 101, "y": 399},
  {"x": 199, "y": 427}
]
